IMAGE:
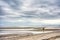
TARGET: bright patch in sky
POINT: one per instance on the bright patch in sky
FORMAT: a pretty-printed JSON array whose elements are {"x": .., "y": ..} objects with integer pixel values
[{"x": 29, "y": 12}]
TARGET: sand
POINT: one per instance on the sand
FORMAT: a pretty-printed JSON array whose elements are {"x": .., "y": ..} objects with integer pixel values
[{"x": 45, "y": 36}]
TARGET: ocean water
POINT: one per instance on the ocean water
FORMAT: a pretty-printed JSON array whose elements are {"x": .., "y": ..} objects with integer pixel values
[{"x": 20, "y": 31}]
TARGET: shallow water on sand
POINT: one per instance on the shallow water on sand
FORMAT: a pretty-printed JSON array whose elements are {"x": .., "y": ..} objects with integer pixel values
[{"x": 18, "y": 31}]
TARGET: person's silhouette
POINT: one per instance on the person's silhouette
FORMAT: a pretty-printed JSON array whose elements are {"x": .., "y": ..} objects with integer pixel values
[{"x": 43, "y": 29}]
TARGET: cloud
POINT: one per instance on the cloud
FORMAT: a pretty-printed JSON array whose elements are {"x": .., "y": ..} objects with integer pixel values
[{"x": 29, "y": 12}]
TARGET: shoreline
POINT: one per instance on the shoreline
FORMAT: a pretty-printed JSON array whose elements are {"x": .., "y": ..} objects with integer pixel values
[{"x": 43, "y": 36}]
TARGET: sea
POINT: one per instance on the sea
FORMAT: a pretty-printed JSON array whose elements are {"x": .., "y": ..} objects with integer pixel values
[{"x": 21, "y": 31}]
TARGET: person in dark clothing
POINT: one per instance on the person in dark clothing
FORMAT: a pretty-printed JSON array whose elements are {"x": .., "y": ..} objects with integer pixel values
[{"x": 43, "y": 29}]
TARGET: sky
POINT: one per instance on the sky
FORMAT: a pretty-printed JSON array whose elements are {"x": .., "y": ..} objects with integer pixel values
[{"x": 15, "y": 13}]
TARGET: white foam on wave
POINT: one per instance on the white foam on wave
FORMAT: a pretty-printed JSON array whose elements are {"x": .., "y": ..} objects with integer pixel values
[{"x": 22, "y": 32}]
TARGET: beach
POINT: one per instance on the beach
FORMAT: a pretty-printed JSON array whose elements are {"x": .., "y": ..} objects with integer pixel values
[{"x": 43, "y": 36}]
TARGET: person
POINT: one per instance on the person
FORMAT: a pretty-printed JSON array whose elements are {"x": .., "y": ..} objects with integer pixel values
[{"x": 43, "y": 29}]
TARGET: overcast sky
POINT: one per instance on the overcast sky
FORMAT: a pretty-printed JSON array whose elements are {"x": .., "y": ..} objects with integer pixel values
[{"x": 29, "y": 12}]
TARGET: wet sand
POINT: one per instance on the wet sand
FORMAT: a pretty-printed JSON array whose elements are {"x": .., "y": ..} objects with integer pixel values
[{"x": 45, "y": 36}]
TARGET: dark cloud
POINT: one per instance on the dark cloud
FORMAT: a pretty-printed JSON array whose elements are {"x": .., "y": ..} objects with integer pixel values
[
  {"x": 48, "y": 16},
  {"x": 58, "y": 3},
  {"x": 45, "y": 15},
  {"x": 14, "y": 4},
  {"x": 1, "y": 12}
]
